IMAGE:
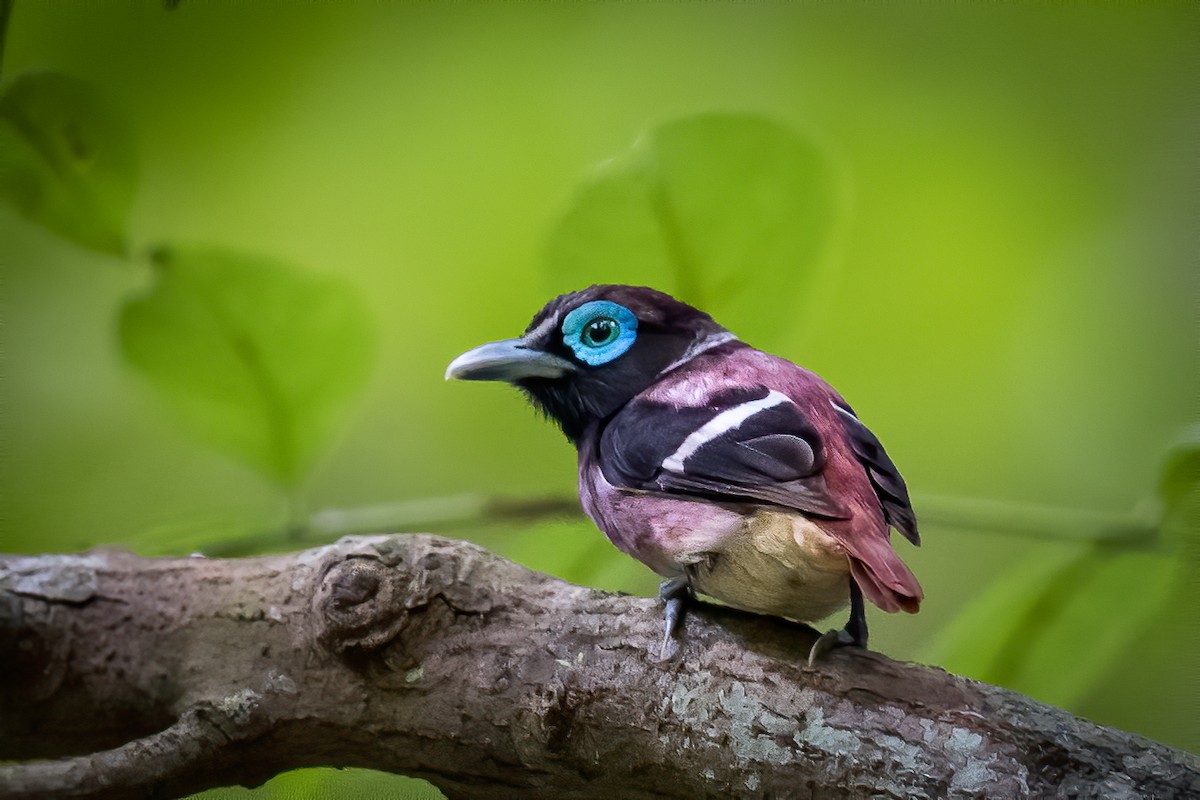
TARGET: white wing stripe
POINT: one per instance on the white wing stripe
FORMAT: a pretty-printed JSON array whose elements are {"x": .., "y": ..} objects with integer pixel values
[
  {"x": 839, "y": 407},
  {"x": 722, "y": 423},
  {"x": 696, "y": 348}
]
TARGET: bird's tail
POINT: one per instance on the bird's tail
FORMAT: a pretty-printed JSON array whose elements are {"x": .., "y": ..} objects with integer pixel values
[{"x": 884, "y": 579}]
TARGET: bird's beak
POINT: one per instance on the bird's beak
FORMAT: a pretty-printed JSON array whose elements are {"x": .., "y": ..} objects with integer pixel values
[{"x": 508, "y": 360}]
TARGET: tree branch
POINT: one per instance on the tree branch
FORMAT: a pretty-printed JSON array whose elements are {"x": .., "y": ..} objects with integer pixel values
[{"x": 434, "y": 658}]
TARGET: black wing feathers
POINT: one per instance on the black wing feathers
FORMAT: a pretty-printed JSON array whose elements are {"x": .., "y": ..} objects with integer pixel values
[
  {"x": 885, "y": 478},
  {"x": 644, "y": 435},
  {"x": 778, "y": 455},
  {"x": 773, "y": 456}
]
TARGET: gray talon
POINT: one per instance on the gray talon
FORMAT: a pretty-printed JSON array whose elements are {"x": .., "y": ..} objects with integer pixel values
[
  {"x": 853, "y": 635},
  {"x": 829, "y": 641},
  {"x": 675, "y": 593}
]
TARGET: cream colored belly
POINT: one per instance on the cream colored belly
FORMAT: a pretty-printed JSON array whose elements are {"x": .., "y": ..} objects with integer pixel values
[{"x": 779, "y": 564}]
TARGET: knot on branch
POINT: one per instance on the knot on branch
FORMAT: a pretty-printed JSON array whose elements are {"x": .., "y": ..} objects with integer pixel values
[
  {"x": 377, "y": 586},
  {"x": 359, "y": 604}
]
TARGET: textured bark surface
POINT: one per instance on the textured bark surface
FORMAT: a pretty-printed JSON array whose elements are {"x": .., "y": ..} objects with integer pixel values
[{"x": 433, "y": 658}]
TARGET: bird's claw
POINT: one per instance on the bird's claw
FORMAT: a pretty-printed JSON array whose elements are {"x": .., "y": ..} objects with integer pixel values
[
  {"x": 671, "y": 619},
  {"x": 853, "y": 635},
  {"x": 675, "y": 593},
  {"x": 829, "y": 641}
]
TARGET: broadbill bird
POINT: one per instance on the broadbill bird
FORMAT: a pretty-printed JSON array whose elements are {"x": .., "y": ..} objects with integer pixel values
[{"x": 731, "y": 472}]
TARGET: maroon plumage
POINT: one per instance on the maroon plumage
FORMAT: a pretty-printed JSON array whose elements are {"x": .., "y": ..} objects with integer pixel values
[
  {"x": 841, "y": 497},
  {"x": 725, "y": 469}
]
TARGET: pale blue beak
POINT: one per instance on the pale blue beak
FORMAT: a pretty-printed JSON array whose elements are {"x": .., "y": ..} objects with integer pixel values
[{"x": 508, "y": 360}]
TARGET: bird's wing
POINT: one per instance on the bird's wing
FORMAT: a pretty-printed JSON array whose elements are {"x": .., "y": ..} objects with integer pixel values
[
  {"x": 889, "y": 486},
  {"x": 755, "y": 444},
  {"x": 746, "y": 444}
]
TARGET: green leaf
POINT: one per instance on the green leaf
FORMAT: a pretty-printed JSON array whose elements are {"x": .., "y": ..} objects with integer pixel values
[
  {"x": 1178, "y": 506},
  {"x": 988, "y": 628},
  {"x": 1180, "y": 470},
  {"x": 256, "y": 357},
  {"x": 722, "y": 210},
  {"x": 1057, "y": 623},
  {"x": 67, "y": 159},
  {"x": 324, "y": 783},
  {"x": 1089, "y": 630}
]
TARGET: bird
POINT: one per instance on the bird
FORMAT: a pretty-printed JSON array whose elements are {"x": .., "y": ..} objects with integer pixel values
[{"x": 733, "y": 473}]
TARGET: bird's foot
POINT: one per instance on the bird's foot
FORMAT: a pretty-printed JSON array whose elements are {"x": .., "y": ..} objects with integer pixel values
[
  {"x": 853, "y": 635},
  {"x": 831, "y": 640},
  {"x": 675, "y": 593}
]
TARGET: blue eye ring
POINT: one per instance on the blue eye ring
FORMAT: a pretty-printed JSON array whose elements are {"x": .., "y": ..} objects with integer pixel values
[{"x": 599, "y": 331}]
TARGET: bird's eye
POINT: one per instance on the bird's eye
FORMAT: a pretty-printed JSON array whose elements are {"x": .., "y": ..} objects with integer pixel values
[{"x": 599, "y": 331}]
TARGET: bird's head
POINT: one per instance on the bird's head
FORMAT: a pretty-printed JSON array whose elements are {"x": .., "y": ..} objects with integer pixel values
[{"x": 587, "y": 353}]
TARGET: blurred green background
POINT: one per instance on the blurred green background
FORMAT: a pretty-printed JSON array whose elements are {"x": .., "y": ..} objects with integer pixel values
[{"x": 992, "y": 256}]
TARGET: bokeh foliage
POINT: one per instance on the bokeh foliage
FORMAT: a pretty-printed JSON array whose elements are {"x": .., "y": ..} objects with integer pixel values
[
  {"x": 67, "y": 160},
  {"x": 975, "y": 221},
  {"x": 720, "y": 210},
  {"x": 253, "y": 355}
]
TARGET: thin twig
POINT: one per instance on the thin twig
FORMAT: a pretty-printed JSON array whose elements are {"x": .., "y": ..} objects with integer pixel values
[
  {"x": 973, "y": 514},
  {"x": 1023, "y": 520}
]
